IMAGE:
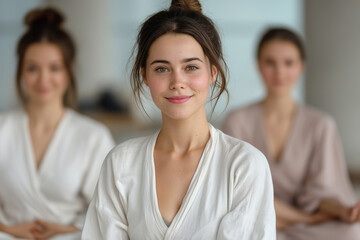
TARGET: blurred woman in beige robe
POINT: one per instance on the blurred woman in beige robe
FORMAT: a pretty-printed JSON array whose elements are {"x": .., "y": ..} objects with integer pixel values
[{"x": 313, "y": 195}]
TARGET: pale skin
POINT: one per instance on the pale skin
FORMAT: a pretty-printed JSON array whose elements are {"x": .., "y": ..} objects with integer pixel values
[
  {"x": 178, "y": 75},
  {"x": 45, "y": 81},
  {"x": 280, "y": 65}
]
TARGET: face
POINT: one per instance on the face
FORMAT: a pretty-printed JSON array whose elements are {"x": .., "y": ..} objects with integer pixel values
[
  {"x": 280, "y": 65},
  {"x": 44, "y": 75},
  {"x": 178, "y": 75}
]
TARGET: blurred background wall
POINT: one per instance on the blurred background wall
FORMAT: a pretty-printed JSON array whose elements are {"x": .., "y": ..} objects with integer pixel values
[
  {"x": 333, "y": 67},
  {"x": 105, "y": 33}
]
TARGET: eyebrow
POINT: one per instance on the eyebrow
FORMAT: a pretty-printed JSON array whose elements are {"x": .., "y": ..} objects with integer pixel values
[
  {"x": 183, "y": 61},
  {"x": 36, "y": 61}
]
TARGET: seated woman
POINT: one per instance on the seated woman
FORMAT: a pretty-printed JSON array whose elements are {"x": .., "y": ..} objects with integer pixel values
[
  {"x": 313, "y": 195},
  {"x": 188, "y": 180},
  {"x": 50, "y": 155}
]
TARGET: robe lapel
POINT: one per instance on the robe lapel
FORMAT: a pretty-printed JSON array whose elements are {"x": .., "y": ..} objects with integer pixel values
[
  {"x": 29, "y": 154},
  {"x": 193, "y": 190},
  {"x": 35, "y": 174}
]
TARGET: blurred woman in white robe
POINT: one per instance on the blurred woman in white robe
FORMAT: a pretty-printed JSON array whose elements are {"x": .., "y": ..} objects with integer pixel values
[{"x": 50, "y": 155}]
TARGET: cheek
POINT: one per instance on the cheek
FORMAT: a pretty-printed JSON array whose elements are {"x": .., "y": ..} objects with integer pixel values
[
  {"x": 200, "y": 83},
  {"x": 266, "y": 74},
  {"x": 61, "y": 81},
  {"x": 28, "y": 79},
  {"x": 294, "y": 74},
  {"x": 156, "y": 86}
]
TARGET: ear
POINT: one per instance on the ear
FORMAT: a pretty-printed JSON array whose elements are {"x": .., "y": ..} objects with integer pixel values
[
  {"x": 214, "y": 73},
  {"x": 143, "y": 75}
]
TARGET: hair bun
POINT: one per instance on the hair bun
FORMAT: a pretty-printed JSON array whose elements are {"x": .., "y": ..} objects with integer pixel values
[
  {"x": 193, "y": 5},
  {"x": 44, "y": 17}
]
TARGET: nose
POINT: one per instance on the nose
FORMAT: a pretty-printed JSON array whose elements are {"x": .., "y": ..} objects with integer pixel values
[
  {"x": 177, "y": 81},
  {"x": 43, "y": 76},
  {"x": 279, "y": 70}
]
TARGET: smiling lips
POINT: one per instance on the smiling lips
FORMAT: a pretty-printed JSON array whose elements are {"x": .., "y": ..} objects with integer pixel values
[
  {"x": 178, "y": 99},
  {"x": 42, "y": 90}
]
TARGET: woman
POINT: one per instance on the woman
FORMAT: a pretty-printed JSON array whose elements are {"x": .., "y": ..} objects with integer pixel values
[
  {"x": 313, "y": 195},
  {"x": 50, "y": 156},
  {"x": 189, "y": 180}
]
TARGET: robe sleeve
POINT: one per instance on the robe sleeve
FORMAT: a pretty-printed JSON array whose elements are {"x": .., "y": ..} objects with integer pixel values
[
  {"x": 101, "y": 147},
  {"x": 106, "y": 218},
  {"x": 327, "y": 176},
  {"x": 252, "y": 212}
]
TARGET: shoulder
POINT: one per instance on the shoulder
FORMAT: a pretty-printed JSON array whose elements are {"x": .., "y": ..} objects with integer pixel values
[
  {"x": 85, "y": 125},
  {"x": 11, "y": 119},
  {"x": 10, "y": 115},
  {"x": 246, "y": 165},
  {"x": 317, "y": 119},
  {"x": 243, "y": 113},
  {"x": 132, "y": 152},
  {"x": 241, "y": 122},
  {"x": 241, "y": 154}
]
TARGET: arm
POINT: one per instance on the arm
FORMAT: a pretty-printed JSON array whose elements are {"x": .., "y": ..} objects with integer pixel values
[
  {"x": 23, "y": 230},
  {"x": 338, "y": 210},
  {"x": 287, "y": 215},
  {"x": 97, "y": 153},
  {"x": 106, "y": 216},
  {"x": 327, "y": 188},
  {"x": 46, "y": 230},
  {"x": 251, "y": 214}
]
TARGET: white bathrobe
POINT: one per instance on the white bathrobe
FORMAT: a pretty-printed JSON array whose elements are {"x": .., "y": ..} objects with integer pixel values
[
  {"x": 230, "y": 195},
  {"x": 61, "y": 188}
]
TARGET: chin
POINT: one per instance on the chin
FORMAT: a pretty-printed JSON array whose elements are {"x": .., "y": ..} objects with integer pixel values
[
  {"x": 44, "y": 100},
  {"x": 280, "y": 91},
  {"x": 179, "y": 115}
]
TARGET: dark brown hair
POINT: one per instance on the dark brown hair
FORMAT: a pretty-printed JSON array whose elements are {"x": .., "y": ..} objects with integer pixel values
[
  {"x": 282, "y": 34},
  {"x": 44, "y": 25},
  {"x": 183, "y": 16}
]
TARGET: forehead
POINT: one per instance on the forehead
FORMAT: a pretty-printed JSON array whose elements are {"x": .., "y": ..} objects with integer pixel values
[
  {"x": 43, "y": 52},
  {"x": 175, "y": 46},
  {"x": 279, "y": 48}
]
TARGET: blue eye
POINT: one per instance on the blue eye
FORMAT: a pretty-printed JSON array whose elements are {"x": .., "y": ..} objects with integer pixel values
[
  {"x": 191, "y": 68},
  {"x": 161, "y": 69}
]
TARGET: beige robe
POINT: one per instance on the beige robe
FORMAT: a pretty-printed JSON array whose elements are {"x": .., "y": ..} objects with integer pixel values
[{"x": 310, "y": 168}]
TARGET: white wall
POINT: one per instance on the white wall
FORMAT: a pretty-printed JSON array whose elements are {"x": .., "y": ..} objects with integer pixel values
[
  {"x": 240, "y": 23},
  {"x": 11, "y": 28},
  {"x": 333, "y": 68},
  {"x": 88, "y": 22},
  {"x": 105, "y": 33}
]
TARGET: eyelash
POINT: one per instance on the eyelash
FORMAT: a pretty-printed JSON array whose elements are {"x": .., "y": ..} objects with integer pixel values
[
  {"x": 53, "y": 68},
  {"x": 161, "y": 69},
  {"x": 191, "y": 68},
  {"x": 187, "y": 68},
  {"x": 31, "y": 69}
]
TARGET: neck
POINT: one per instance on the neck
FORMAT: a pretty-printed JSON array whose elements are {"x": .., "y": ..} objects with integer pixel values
[
  {"x": 184, "y": 135},
  {"x": 279, "y": 105},
  {"x": 45, "y": 115}
]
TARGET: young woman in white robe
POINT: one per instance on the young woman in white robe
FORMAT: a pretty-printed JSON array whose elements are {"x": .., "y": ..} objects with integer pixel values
[
  {"x": 313, "y": 195},
  {"x": 50, "y": 155},
  {"x": 188, "y": 180}
]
